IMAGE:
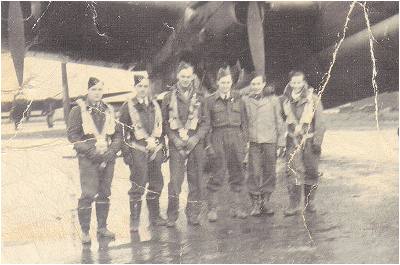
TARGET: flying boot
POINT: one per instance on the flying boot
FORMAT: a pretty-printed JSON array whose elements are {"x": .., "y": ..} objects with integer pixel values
[
  {"x": 237, "y": 210},
  {"x": 256, "y": 205},
  {"x": 294, "y": 200},
  {"x": 173, "y": 208},
  {"x": 265, "y": 204},
  {"x": 84, "y": 216},
  {"x": 309, "y": 196},
  {"x": 212, "y": 206},
  {"x": 135, "y": 207},
  {"x": 153, "y": 204},
  {"x": 102, "y": 209}
]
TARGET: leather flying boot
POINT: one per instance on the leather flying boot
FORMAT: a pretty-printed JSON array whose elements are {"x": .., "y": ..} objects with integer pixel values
[
  {"x": 294, "y": 200},
  {"x": 265, "y": 204},
  {"x": 192, "y": 213},
  {"x": 153, "y": 204},
  {"x": 256, "y": 205},
  {"x": 102, "y": 209},
  {"x": 309, "y": 196},
  {"x": 237, "y": 209},
  {"x": 135, "y": 207},
  {"x": 173, "y": 210},
  {"x": 84, "y": 216}
]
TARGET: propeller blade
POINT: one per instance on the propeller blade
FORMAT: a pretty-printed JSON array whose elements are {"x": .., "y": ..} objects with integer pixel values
[
  {"x": 36, "y": 9},
  {"x": 16, "y": 38},
  {"x": 255, "y": 33}
]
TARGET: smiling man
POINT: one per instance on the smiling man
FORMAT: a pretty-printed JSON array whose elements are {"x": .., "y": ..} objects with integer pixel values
[
  {"x": 303, "y": 113},
  {"x": 186, "y": 126},
  {"x": 226, "y": 144},
  {"x": 266, "y": 139}
]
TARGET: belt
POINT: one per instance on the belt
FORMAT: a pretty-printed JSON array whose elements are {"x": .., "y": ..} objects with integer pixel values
[{"x": 143, "y": 149}]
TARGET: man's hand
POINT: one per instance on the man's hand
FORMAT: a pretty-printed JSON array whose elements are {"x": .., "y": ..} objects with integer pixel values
[
  {"x": 102, "y": 166},
  {"x": 151, "y": 144},
  {"x": 281, "y": 151},
  {"x": 183, "y": 153},
  {"x": 179, "y": 143},
  {"x": 210, "y": 151},
  {"x": 101, "y": 149},
  {"x": 316, "y": 149},
  {"x": 298, "y": 129}
]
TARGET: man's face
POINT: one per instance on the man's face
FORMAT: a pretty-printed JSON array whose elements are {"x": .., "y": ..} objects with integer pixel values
[
  {"x": 95, "y": 93},
  {"x": 257, "y": 85},
  {"x": 142, "y": 88},
  {"x": 185, "y": 77},
  {"x": 297, "y": 83},
  {"x": 225, "y": 84}
]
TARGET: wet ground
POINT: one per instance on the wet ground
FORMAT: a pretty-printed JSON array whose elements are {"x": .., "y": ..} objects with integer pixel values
[{"x": 356, "y": 222}]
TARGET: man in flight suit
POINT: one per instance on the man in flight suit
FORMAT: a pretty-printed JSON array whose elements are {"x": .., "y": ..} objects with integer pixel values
[
  {"x": 226, "y": 144},
  {"x": 186, "y": 127},
  {"x": 302, "y": 109},
  {"x": 142, "y": 149},
  {"x": 93, "y": 131}
]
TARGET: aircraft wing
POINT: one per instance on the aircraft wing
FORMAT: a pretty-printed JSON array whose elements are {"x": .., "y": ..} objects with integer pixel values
[
  {"x": 271, "y": 37},
  {"x": 42, "y": 80}
]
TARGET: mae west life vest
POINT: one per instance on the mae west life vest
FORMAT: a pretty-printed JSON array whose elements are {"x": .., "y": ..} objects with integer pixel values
[
  {"x": 89, "y": 127},
  {"x": 193, "y": 116},
  {"x": 305, "y": 118},
  {"x": 139, "y": 130}
]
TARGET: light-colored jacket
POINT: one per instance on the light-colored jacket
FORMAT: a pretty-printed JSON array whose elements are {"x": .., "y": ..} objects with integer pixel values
[{"x": 265, "y": 123}]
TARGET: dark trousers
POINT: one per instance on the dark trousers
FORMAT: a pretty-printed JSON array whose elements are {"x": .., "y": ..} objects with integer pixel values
[
  {"x": 302, "y": 164},
  {"x": 144, "y": 171},
  {"x": 95, "y": 186},
  {"x": 194, "y": 170},
  {"x": 229, "y": 155},
  {"x": 262, "y": 166}
]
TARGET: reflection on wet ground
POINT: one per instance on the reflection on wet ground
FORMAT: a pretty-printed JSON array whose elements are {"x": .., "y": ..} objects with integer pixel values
[
  {"x": 356, "y": 222},
  {"x": 255, "y": 240}
]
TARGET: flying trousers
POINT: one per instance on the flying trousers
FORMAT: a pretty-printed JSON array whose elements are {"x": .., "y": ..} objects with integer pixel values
[
  {"x": 185, "y": 108},
  {"x": 96, "y": 168},
  {"x": 266, "y": 132},
  {"x": 145, "y": 165},
  {"x": 227, "y": 141}
]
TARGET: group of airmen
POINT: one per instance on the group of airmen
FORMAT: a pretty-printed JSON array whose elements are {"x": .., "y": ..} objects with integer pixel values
[{"x": 240, "y": 135}]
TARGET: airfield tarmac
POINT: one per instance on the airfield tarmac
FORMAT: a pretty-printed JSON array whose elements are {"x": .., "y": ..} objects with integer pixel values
[{"x": 356, "y": 222}]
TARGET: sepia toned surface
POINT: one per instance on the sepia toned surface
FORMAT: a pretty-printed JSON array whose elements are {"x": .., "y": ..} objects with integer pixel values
[
  {"x": 357, "y": 202},
  {"x": 358, "y": 194}
]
